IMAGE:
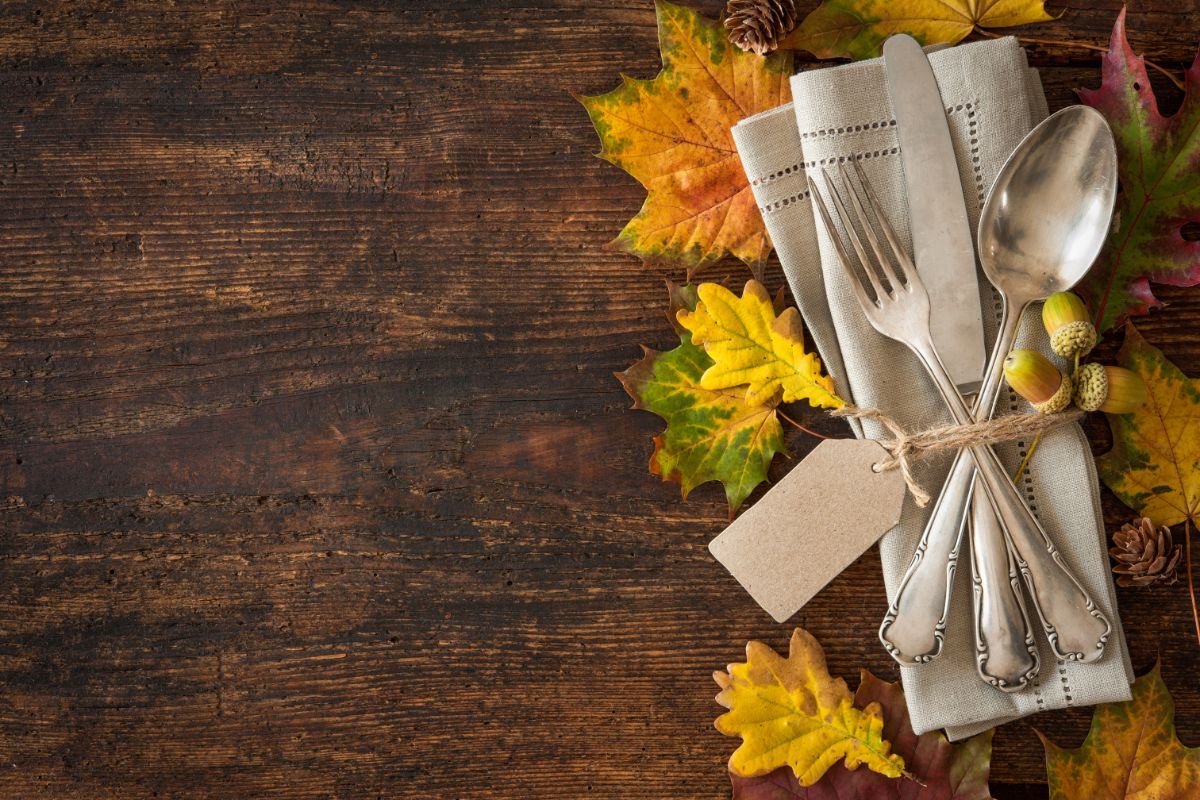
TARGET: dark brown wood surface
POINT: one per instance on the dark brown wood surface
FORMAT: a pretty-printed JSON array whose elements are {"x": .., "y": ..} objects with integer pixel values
[{"x": 316, "y": 480}]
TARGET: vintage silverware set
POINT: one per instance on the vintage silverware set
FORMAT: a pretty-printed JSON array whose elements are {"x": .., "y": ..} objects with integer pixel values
[{"x": 1041, "y": 228}]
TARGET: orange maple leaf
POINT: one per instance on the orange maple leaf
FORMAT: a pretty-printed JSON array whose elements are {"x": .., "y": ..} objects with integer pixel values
[{"x": 672, "y": 133}]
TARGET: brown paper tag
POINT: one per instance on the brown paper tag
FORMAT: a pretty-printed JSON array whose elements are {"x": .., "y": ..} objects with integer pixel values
[{"x": 812, "y": 525}]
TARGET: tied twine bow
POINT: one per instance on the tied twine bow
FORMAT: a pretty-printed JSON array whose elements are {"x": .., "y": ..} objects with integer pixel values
[{"x": 904, "y": 448}]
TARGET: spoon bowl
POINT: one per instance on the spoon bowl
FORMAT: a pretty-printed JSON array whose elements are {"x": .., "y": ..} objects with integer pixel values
[{"x": 1050, "y": 208}]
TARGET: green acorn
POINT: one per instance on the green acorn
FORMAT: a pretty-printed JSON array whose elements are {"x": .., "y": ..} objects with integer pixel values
[
  {"x": 1071, "y": 330},
  {"x": 1113, "y": 390},
  {"x": 1032, "y": 376}
]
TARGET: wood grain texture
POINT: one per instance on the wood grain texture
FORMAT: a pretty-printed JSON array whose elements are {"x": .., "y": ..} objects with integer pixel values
[{"x": 316, "y": 482}]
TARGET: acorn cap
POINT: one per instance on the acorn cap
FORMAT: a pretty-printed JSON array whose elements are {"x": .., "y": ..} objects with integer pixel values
[
  {"x": 1071, "y": 330},
  {"x": 1073, "y": 338},
  {"x": 1091, "y": 386},
  {"x": 1031, "y": 375}
]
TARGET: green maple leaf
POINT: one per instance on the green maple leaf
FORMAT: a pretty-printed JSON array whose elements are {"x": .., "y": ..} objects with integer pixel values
[
  {"x": 1159, "y": 172},
  {"x": 711, "y": 434}
]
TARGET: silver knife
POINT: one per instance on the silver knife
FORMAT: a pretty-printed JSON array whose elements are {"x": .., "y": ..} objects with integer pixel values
[
  {"x": 944, "y": 253},
  {"x": 943, "y": 249}
]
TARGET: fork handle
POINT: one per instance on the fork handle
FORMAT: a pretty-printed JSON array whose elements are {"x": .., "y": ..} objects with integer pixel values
[
  {"x": 914, "y": 627},
  {"x": 1075, "y": 626}
]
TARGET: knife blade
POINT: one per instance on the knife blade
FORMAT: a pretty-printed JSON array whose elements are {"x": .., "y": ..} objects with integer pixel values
[{"x": 942, "y": 246}]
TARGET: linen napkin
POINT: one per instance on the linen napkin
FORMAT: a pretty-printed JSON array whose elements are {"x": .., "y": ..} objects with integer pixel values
[{"x": 992, "y": 100}]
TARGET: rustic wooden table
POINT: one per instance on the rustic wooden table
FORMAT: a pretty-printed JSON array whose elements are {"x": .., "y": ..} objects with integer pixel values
[{"x": 316, "y": 479}]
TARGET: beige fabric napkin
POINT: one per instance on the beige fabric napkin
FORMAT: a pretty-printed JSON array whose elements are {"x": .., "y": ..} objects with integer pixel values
[{"x": 992, "y": 99}]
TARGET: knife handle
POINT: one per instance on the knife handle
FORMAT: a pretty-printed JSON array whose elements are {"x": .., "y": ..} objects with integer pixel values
[
  {"x": 913, "y": 628},
  {"x": 1006, "y": 655}
]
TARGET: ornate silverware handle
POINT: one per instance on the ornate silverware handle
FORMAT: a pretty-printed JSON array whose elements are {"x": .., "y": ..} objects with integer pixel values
[
  {"x": 914, "y": 627},
  {"x": 1006, "y": 654},
  {"x": 1075, "y": 626}
]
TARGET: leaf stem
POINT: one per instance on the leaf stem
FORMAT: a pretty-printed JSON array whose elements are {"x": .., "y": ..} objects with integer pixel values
[
  {"x": 1187, "y": 538},
  {"x": 1079, "y": 45},
  {"x": 1028, "y": 455},
  {"x": 801, "y": 427}
]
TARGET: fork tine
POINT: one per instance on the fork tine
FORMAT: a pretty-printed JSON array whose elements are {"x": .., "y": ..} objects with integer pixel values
[
  {"x": 856, "y": 198},
  {"x": 906, "y": 265},
  {"x": 848, "y": 221},
  {"x": 856, "y": 285}
]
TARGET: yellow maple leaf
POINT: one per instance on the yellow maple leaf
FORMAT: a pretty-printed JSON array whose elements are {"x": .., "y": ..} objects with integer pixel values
[
  {"x": 857, "y": 28},
  {"x": 792, "y": 711},
  {"x": 1131, "y": 752},
  {"x": 751, "y": 346},
  {"x": 1154, "y": 465},
  {"x": 672, "y": 133}
]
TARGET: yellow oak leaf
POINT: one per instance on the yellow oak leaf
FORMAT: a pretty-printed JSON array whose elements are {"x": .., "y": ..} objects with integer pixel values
[
  {"x": 1131, "y": 752},
  {"x": 672, "y": 133},
  {"x": 1154, "y": 465},
  {"x": 857, "y": 28},
  {"x": 750, "y": 345},
  {"x": 792, "y": 711}
]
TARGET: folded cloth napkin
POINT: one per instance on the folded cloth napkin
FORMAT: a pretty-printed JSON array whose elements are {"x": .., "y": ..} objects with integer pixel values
[{"x": 992, "y": 100}]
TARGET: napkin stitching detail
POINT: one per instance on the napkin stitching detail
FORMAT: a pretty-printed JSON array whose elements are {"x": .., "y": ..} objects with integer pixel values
[
  {"x": 776, "y": 175},
  {"x": 776, "y": 205},
  {"x": 869, "y": 126},
  {"x": 784, "y": 202},
  {"x": 888, "y": 151},
  {"x": 866, "y": 126}
]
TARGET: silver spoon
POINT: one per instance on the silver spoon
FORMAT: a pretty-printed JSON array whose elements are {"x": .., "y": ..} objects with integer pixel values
[{"x": 1042, "y": 227}]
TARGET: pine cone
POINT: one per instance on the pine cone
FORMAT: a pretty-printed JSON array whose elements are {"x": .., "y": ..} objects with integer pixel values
[
  {"x": 758, "y": 25},
  {"x": 1144, "y": 554}
]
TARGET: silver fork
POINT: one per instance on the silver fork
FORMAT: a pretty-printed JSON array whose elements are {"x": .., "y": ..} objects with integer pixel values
[
  {"x": 897, "y": 306},
  {"x": 1006, "y": 654}
]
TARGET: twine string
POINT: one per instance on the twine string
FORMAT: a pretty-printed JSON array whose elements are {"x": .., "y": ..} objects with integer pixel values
[{"x": 905, "y": 449}]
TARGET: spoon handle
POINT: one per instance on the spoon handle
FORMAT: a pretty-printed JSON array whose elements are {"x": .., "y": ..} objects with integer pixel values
[
  {"x": 1075, "y": 626},
  {"x": 914, "y": 626}
]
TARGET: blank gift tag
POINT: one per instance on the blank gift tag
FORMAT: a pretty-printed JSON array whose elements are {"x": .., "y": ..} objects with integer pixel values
[{"x": 812, "y": 525}]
